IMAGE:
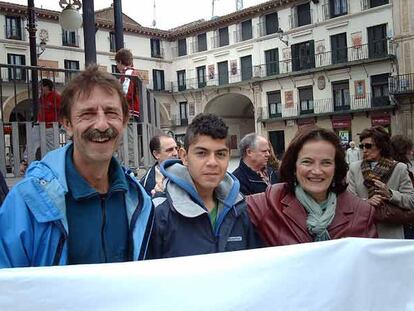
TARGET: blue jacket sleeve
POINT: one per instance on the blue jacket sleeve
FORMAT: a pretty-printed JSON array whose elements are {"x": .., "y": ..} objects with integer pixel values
[{"x": 16, "y": 232}]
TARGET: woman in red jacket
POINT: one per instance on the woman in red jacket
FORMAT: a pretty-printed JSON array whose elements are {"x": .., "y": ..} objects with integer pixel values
[{"x": 311, "y": 204}]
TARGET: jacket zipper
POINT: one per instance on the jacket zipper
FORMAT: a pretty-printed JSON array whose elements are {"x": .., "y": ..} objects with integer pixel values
[
  {"x": 61, "y": 243},
  {"x": 103, "y": 226}
]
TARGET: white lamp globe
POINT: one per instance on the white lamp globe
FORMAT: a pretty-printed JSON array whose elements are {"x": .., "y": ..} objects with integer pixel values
[{"x": 70, "y": 19}]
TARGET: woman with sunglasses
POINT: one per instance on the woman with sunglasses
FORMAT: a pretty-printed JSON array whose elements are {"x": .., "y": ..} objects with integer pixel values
[
  {"x": 311, "y": 204},
  {"x": 381, "y": 180}
]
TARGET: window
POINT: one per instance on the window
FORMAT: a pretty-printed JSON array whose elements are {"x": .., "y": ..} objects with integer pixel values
[
  {"x": 272, "y": 62},
  {"x": 156, "y": 48},
  {"x": 13, "y": 28},
  {"x": 223, "y": 36},
  {"x": 374, "y": 3},
  {"x": 339, "y": 48},
  {"x": 306, "y": 100},
  {"x": 338, "y": 8},
  {"x": 181, "y": 80},
  {"x": 303, "y": 14},
  {"x": 246, "y": 67},
  {"x": 183, "y": 114},
  {"x": 274, "y": 103},
  {"x": 340, "y": 94},
  {"x": 112, "y": 44},
  {"x": 182, "y": 47},
  {"x": 303, "y": 55},
  {"x": 69, "y": 38},
  {"x": 202, "y": 42},
  {"x": 201, "y": 76},
  {"x": 379, "y": 89},
  {"x": 271, "y": 23},
  {"x": 377, "y": 41},
  {"x": 72, "y": 65},
  {"x": 223, "y": 73},
  {"x": 246, "y": 30},
  {"x": 16, "y": 73},
  {"x": 158, "y": 80}
]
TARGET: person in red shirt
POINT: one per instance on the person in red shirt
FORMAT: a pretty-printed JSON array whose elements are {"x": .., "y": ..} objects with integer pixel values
[
  {"x": 48, "y": 112},
  {"x": 124, "y": 63},
  {"x": 49, "y": 103},
  {"x": 129, "y": 82}
]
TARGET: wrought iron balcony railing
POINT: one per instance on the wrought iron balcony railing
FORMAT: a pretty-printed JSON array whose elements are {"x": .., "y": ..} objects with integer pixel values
[
  {"x": 329, "y": 106},
  {"x": 401, "y": 84}
]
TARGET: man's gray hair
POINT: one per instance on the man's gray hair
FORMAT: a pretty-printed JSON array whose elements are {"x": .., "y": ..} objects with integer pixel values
[{"x": 248, "y": 141}]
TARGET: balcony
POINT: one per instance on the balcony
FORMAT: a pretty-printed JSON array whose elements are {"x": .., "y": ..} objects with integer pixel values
[
  {"x": 402, "y": 84},
  {"x": 198, "y": 47},
  {"x": 301, "y": 19},
  {"x": 14, "y": 33},
  {"x": 339, "y": 10},
  {"x": 368, "y": 4},
  {"x": 157, "y": 53},
  {"x": 178, "y": 121},
  {"x": 327, "y": 107},
  {"x": 321, "y": 61}
]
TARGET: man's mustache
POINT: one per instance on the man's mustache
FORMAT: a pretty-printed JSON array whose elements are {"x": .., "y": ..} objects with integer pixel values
[{"x": 93, "y": 134}]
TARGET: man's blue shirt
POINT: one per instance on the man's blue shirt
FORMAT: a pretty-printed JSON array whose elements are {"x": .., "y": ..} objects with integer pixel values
[{"x": 98, "y": 223}]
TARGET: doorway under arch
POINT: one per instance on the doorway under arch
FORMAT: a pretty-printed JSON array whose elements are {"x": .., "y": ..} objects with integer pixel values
[{"x": 238, "y": 112}]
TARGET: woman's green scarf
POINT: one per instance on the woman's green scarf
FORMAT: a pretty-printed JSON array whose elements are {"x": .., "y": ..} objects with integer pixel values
[{"x": 320, "y": 216}]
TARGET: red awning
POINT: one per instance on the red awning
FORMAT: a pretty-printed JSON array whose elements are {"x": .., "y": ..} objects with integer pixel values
[
  {"x": 341, "y": 122},
  {"x": 383, "y": 120},
  {"x": 307, "y": 121}
]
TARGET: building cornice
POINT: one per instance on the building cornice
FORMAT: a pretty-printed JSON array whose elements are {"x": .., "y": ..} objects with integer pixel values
[{"x": 169, "y": 35}]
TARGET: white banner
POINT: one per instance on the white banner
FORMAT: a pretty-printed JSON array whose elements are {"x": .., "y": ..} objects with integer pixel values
[{"x": 348, "y": 274}]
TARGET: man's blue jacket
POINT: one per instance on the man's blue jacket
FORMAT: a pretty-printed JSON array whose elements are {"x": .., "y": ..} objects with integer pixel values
[{"x": 33, "y": 223}]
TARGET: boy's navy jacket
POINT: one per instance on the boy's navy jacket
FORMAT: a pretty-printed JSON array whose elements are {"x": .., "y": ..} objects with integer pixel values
[
  {"x": 33, "y": 223},
  {"x": 182, "y": 225}
]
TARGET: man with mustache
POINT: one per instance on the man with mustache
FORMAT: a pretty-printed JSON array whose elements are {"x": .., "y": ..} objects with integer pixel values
[
  {"x": 201, "y": 210},
  {"x": 79, "y": 205}
]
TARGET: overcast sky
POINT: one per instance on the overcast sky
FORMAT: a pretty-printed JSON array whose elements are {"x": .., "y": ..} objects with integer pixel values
[{"x": 169, "y": 13}]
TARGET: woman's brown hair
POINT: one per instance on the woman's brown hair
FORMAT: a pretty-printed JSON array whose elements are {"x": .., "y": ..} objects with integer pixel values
[
  {"x": 304, "y": 135},
  {"x": 381, "y": 139}
]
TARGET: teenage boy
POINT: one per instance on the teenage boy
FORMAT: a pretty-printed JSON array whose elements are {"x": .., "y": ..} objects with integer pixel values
[{"x": 201, "y": 210}]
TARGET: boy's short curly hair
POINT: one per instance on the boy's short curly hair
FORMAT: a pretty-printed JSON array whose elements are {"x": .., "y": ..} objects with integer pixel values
[
  {"x": 124, "y": 56},
  {"x": 207, "y": 124}
]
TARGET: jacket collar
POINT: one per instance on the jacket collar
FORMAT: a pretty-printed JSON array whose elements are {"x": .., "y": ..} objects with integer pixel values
[
  {"x": 297, "y": 214},
  {"x": 44, "y": 188},
  {"x": 252, "y": 175}
]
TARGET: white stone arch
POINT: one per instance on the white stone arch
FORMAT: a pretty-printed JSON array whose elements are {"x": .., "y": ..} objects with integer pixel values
[
  {"x": 164, "y": 115},
  {"x": 11, "y": 102},
  {"x": 237, "y": 110}
]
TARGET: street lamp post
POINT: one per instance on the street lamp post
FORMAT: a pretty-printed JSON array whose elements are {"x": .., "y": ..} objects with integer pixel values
[
  {"x": 31, "y": 28},
  {"x": 119, "y": 27},
  {"x": 89, "y": 31}
]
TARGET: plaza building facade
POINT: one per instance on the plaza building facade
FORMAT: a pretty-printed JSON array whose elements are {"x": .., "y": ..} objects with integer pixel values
[{"x": 271, "y": 68}]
